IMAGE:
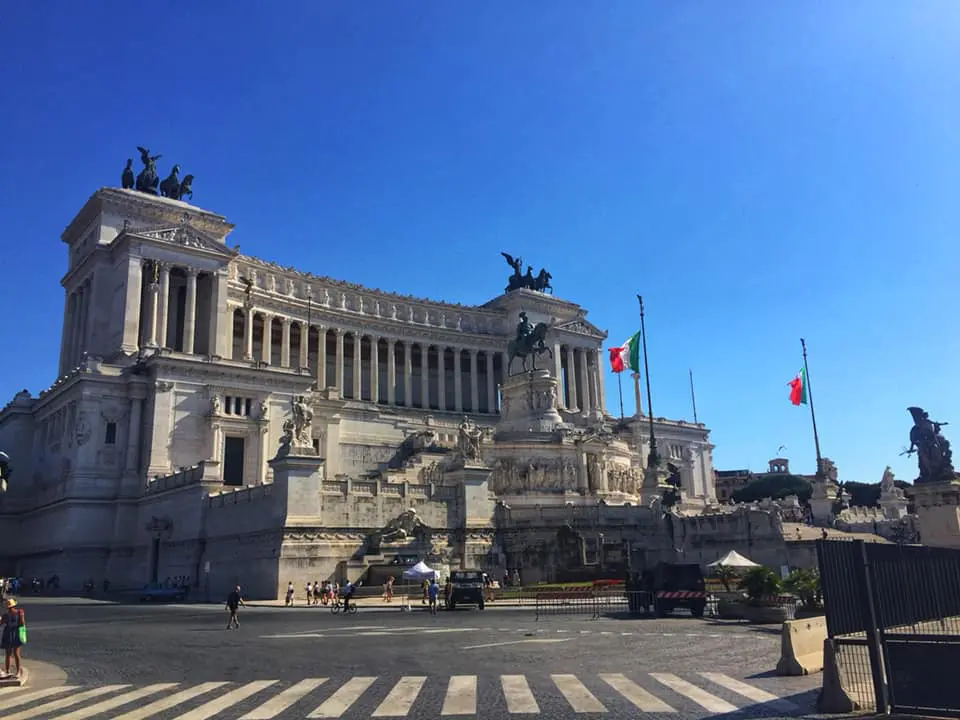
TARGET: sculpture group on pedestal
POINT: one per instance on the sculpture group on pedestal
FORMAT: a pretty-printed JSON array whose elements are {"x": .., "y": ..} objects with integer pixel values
[
  {"x": 147, "y": 181},
  {"x": 405, "y": 526},
  {"x": 934, "y": 456},
  {"x": 539, "y": 283}
]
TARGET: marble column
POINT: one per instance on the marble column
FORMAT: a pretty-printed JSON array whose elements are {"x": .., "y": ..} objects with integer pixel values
[
  {"x": 133, "y": 436},
  {"x": 338, "y": 370},
  {"x": 65, "y": 332},
  {"x": 558, "y": 373},
  {"x": 571, "y": 379},
  {"x": 304, "y": 358},
  {"x": 357, "y": 365},
  {"x": 601, "y": 384},
  {"x": 85, "y": 318},
  {"x": 491, "y": 386},
  {"x": 441, "y": 378},
  {"x": 374, "y": 369},
  {"x": 457, "y": 380},
  {"x": 583, "y": 382},
  {"x": 134, "y": 292},
  {"x": 75, "y": 331},
  {"x": 425, "y": 376},
  {"x": 504, "y": 372},
  {"x": 154, "y": 296},
  {"x": 190, "y": 312},
  {"x": 267, "y": 342},
  {"x": 474, "y": 382},
  {"x": 248, "y": 334},
  {"x": 391, "y": 372},
  {"x": 220, "y": 328},
  {"x": 285, "y": 342},
  {"x": 321, "y": 356},
  {"x": 407, "y": 374},
  {"x": 164, "y": 305}
]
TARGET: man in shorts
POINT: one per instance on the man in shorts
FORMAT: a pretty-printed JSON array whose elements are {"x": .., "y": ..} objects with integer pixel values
[{"x": 234, "y": 601}]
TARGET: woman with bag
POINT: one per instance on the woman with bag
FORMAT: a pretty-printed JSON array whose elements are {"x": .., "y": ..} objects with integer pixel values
[{"x": 13, "y": 634}]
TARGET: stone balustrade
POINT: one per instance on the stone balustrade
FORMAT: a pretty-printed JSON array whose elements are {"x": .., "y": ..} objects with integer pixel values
[{"x": 186, "y": 476}]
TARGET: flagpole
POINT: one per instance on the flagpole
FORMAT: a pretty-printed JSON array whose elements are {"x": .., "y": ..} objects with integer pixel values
[
  {"x": 653, "y": 457},
  {"x": 813, "y": 415},
  {"x": 620, "y": 389},
  {"x": 693, "y": 398}
]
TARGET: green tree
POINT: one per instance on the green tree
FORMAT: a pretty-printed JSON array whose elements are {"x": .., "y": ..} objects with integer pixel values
[
  {"x": 805, "y": 584},
  {"x": 776, "y": 487},
  {"x": 760, "y": 582},
  {"x": 726, "y": 575}
]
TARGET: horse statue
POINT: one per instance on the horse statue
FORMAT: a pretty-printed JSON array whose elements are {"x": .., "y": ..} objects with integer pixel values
[
  {"x": 147, "y": 180},
  {"x": 542, "y": 282},
  {"x": 171, "y": 184},
  {"x": 186, "y": 188},
  {"x": 530, "y": 344}
]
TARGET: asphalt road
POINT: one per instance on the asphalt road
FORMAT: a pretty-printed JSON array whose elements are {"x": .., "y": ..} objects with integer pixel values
[{"x": 130, "y": 662}]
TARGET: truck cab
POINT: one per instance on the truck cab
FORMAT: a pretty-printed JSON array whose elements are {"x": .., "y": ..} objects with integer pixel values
[
  {"x": 675, "y": 585},
  {"x": 466, "y": 588}
]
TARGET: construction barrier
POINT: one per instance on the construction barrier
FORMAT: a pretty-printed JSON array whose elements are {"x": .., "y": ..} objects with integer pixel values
[{"x": 801, "y": 646}]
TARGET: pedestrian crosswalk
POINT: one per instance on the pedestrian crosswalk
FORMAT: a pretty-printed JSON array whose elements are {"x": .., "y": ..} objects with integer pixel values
[{"x": 701, "y": 694}]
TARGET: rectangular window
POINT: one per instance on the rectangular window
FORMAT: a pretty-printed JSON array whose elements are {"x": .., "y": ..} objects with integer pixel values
[{"x": 110, "y": 434}]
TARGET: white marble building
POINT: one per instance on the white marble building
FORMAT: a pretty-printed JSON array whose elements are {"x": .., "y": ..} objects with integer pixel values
[{"x": 147, "y": 458}]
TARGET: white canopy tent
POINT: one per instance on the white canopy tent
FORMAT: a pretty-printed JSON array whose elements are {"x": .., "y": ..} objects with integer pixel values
[
  {"x": 733, "y": 559},
  {"x": 420, "y": 571}
]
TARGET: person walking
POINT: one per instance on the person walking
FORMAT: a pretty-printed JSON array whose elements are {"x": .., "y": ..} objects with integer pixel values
[
  {"x": 234, "y": 601},
  {"x": 13, "y": 634},
  {"x": 432, "y": 591}
]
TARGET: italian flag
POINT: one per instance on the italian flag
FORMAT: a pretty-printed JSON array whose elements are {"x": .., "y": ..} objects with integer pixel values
[
  {"x": 798, "y": 388},
  {"x": 627, "y": 356}
]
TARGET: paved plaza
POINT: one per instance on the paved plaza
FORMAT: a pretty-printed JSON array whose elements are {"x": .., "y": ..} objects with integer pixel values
[{"x": 130, "y": 662}]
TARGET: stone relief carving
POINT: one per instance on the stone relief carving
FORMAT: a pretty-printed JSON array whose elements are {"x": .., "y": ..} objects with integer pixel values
[
  {"x": 403, "y": 527},
  {"x": 534, "y": 475},
  {"x": 215, "y": 407},
  {"x": 83, "y": 429},
  {"x": 263, "y": 412},
  {"x": 623, "y": 479}
]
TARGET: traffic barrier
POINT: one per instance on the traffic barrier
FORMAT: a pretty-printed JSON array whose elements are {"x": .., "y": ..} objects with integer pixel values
[
  {"x": 592, "y": 603},
  {"x": 801, "y": 646}
]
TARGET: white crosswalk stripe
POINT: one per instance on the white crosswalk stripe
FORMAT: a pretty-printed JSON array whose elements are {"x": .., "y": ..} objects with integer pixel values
[{"x": 403, "y": 697}]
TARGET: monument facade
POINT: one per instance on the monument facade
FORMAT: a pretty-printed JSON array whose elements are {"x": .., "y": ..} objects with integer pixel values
[{"x": 218, "y": 418}]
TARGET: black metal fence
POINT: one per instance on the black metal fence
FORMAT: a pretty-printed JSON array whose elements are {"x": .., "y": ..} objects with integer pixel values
[
  {"x": 893, "y": 613},
  {"x": 592, "y": 604}
]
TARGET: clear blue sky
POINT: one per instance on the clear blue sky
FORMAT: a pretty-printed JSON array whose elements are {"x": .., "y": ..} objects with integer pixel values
[{"x": 758, "y": 171}]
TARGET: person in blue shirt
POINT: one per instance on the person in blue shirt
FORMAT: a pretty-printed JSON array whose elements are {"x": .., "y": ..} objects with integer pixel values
[{"x": 432, "y": 593}]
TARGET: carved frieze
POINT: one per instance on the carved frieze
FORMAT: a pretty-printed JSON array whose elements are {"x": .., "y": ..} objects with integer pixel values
[{"x": 547, "y": 474}]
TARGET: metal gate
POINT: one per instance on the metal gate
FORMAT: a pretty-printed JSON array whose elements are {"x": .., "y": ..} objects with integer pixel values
[{"x": 903, "y": 604}]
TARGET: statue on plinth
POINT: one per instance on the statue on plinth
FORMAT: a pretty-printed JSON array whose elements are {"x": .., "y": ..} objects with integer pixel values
[
  {"x": 529, "y": 342},
  {"x": 297, "y": 430},
  {"x": 126, "y": 177},
  {"x": 468, "y": 441},
  {"x": 934, "y": 456}
]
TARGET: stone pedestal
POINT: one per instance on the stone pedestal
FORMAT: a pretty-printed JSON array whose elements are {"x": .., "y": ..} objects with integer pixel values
[
  {"x": 297, "y": 482},
  {"x": 894, "y": 504},
  {"x": 654, "y": 484},
  {"x": 825, "y": 494},
  {"x": 938, "y": 513},
  {"x": 473, "y": 489},
  {"x": 529, "y": 403}
]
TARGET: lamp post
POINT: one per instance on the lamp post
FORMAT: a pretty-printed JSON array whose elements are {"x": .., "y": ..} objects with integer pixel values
[{"x": 653, "y": 457}]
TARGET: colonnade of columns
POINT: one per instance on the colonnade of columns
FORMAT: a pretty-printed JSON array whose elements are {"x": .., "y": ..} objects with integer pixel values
[
  {"x": 76, "y": 326},
  {"x": 407, "y": 373},
  {"x": 171, "y": 317}
]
